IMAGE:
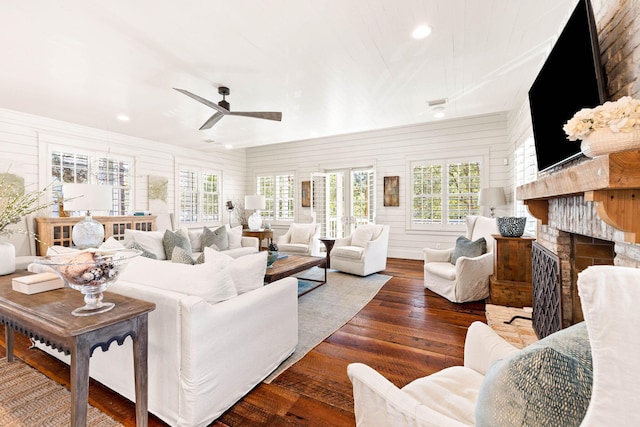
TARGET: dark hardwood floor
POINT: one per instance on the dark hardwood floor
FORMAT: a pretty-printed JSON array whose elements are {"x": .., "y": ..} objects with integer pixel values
[{"x": 405, "y": 332}]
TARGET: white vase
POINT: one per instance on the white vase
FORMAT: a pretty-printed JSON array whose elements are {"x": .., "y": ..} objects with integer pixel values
[
  {"x": 7, "y": 258},
  {"x": 603, "y": 141}
]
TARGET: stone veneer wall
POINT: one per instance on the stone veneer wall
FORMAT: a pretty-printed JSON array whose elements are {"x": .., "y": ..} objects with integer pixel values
[{"x": 618, "y": 24}]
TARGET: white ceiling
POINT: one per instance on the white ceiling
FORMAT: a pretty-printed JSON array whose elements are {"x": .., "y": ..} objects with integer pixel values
[{"x": 331, "y": 66}]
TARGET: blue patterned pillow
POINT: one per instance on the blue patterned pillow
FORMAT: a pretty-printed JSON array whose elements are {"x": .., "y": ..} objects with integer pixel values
[
  {"x": 468, "y": 248},
  {"x": 181, "y": 256},
  {"x": 547, "y": 383},
  {"x": 145, "y": 253}
]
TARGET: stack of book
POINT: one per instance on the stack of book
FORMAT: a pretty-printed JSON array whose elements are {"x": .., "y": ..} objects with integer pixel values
[{"x": 36, "y": 283}]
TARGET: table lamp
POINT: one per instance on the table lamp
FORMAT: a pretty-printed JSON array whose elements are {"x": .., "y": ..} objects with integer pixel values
[
  {"x": 256, "y": 202},
  {"x": 492, "y": 197},
  {"x": 87, "y": 233}
]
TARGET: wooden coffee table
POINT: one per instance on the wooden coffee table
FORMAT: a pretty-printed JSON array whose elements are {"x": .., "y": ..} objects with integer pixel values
[
  {"x": 293, "y": 264},
  {"x": 47, "y": 317}
]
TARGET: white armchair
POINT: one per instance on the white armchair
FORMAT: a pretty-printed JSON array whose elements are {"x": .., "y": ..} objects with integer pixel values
[
  {"x": 364, "y": 252},
  {"x": 467, "y": 279},
  {"x": 500, "y": 385},
  {"x": 301, "y": 239}
]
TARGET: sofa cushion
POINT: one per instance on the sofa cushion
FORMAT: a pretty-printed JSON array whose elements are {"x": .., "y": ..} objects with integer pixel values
[
  {"x": 145, "y": 253},
  {"x": 235, "y": 236},
  {"x": 171, "y": 239},
  {"x": 468, "y": 248},
  {"x": 300, "y": 233},
  {"x": 441, "y": 269},
  {"x": 149, "y": 240},
  {"x": 247, "y": 272},
  {"x": 216, "y": 239},
  {"x": 547, "y": 383},
  {"x": 362, "y": 235},
  {"x": 452, "y": 392},
  {"x": 208, "y": 280},
  {"x": 354, "y": 252}
]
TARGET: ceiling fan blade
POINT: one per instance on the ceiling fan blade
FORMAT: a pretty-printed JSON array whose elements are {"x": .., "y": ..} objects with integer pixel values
[
  {"x": 212, "y": 121},
  {"x": 204, "y": 101},
  {"x": 267, "y": 115}
]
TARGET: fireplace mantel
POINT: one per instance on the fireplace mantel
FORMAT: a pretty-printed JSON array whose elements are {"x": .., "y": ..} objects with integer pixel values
[{"x": 611, "y": 181}]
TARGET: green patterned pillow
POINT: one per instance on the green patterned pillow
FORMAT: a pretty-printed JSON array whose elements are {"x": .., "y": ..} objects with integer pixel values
[
  {"x": 547, "y": 383},
  {"x": 145, "y": 253},
  {"x": 172, "y": 239},
  {"x": 465, "y": 247},
  {"x": 217, "y": 237},
  {"x": 181, "y": 256}
]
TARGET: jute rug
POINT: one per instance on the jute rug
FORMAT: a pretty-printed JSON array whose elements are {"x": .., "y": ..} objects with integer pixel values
[
  {"x": 327, "y": 308},
  {"x": 520, "y": 332},
  {"x": 29, "y": 398}
]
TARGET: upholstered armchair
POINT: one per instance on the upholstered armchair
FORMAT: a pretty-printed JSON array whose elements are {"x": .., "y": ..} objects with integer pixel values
[
  {"x": 364, "y": 252},
  {"x": 467, "y": 277},
  {"x": 301, "y": 239},
  {"x": 586, "y": 374}
]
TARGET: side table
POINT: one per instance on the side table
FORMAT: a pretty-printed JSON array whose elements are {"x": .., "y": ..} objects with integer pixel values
[
  {"x": 260, "y": 234},
  {"x": 328, "y": 243},
  {"x": 47, "y": 317}
]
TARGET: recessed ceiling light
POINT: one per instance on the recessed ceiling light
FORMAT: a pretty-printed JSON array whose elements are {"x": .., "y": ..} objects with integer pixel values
[
  {"x": 438, "y": 114},
  {"x": 228, "y": 146},
  {"x": 122, "y": 117},
  {"x": 421, "y": 32}
]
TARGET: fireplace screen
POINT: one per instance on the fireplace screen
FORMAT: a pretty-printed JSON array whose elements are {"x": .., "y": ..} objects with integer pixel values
[{"x": 546, "y": 281}]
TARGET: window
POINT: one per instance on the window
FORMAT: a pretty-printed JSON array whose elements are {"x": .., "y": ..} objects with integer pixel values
[
  {"x": 80, "y": 168},
  {"x": 278, "y": 193},
  {"x": 444, "y": 192},
  {"x": 199, "y": 195},
  {"x": 526, "y": 169}
]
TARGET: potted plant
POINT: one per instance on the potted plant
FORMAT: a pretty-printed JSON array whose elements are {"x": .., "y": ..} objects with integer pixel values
[{"x": 610, "y": 127}]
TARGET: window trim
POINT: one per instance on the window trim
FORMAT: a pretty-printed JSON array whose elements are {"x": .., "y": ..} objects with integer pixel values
[
  {"x": 481, "y": 156},
  {"x": 200, "y": 171},
  {"x": 296, "y": 199}
]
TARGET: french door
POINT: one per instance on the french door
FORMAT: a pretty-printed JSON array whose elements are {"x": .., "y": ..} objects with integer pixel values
[{"x": 343, "y": 199}]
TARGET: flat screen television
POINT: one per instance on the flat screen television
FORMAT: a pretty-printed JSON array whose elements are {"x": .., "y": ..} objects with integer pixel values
[{"x": 571, "y": 78}]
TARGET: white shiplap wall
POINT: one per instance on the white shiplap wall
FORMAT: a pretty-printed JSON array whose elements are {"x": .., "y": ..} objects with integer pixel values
[
  {"x": 390, "y": 151},
  {"x": 25, "y": 141}
]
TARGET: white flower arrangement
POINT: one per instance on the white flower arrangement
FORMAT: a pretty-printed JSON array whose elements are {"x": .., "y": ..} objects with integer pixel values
[{"x": 622, "y": 115}]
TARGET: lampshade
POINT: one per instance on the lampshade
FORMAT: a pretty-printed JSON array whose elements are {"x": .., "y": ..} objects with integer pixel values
[
  {"x": 492, "y": 197},
  {"x": 87, "y": 197},
  {"x": 254, "y": 202}
]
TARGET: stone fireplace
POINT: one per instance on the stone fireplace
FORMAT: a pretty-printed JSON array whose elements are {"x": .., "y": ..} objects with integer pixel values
[{"x": 576, "y": 207}]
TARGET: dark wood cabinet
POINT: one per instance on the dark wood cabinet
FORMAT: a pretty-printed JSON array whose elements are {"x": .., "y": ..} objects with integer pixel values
[{"x": 511, "y": 280}]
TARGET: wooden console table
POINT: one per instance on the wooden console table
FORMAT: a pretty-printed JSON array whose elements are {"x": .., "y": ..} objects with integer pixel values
[
  {"x": 47, "y": 317},
  {"x": 511, "y": 281},
  {"x": 58, "y": 231}
]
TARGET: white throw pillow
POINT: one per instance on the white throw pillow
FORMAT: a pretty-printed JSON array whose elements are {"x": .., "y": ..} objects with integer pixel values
[
  {"x": 300, "y": 233},
  {"x": 111, "y": 243},
  {"x": 362, "y": 235},
  {"x": 235, "y": 236},
  {"x": 247, "y": 271},
  {"x": 208, "y": 281},
  {"x": 150, "y": 241}
]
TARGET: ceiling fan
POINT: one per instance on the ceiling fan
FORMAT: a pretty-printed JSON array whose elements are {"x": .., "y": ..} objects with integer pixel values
[{"x": 223, "y": 109}]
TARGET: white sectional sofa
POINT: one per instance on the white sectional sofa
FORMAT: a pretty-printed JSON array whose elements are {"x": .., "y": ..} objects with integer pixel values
[{"x": 216, "y": 333}]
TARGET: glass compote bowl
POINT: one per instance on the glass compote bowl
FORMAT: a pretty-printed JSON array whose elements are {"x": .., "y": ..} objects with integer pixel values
[{"x": 91, "y": 272}]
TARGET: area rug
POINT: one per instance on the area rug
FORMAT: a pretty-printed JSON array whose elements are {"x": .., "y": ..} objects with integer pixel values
[
  {"x": 325, "y": 309},
  {"x": 520, "y": 332},
  {"x": 29, "y": 398}
]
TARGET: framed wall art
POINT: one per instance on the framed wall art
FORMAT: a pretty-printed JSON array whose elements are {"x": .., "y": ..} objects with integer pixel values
[
  {"x": 391, "y": 191},
  {"x": 306, "y": 194}
]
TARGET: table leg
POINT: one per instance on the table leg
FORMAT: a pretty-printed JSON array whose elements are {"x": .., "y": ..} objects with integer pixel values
[
  {"x": 140, "y": 352},
  {"x": 8, "y": 340},
  {"x": 79, "y": 382}
]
